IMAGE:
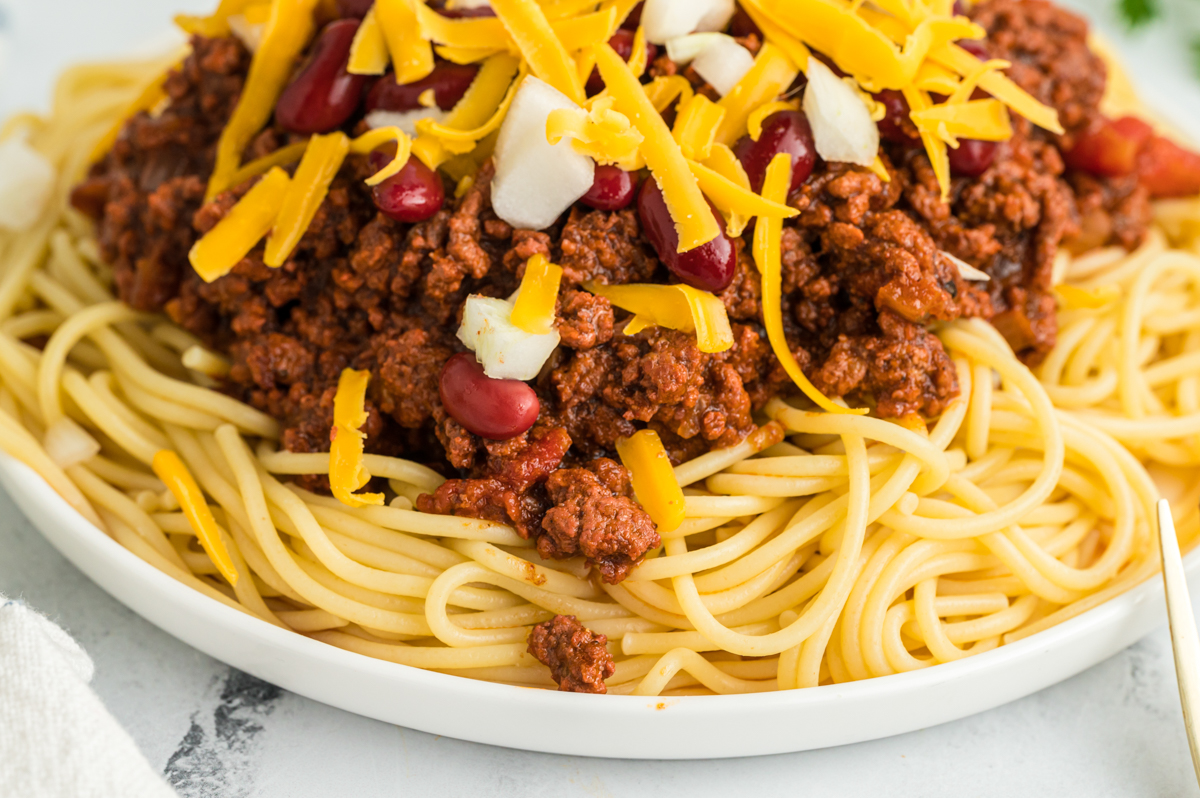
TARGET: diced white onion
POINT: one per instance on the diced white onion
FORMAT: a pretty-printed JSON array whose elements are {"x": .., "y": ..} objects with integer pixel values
[
  {"x": 249, "y": 32},
  {"x": 664, "y": 20},
  {"x": 69, "y": 444},
  {"x": 405, "y": 120},
  {"x": 717, "y": 16},
  {"x": 841, "y": 122},
  {"x": 682, "y": 49},
  {"x": 723, "y": 63},
  {"x": 26, "y": 180},
  {"x": 505, "y": 351},
  {"x": 536, "y": 181},
  {"x": 966, "y": 270}
]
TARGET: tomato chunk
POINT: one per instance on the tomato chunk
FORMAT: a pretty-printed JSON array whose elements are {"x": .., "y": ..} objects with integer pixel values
[
  {"x": 1110, "y": 149},
  {"x": 1168, "y": 170}
]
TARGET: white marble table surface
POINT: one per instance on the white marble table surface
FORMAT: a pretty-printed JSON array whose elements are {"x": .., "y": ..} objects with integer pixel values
[{"x": 1115, "y": 730}]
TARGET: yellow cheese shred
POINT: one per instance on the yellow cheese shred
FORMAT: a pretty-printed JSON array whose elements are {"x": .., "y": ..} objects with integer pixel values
[
  {"x": 467, "y": 55},
  {"x": 304, "y": 196},
  {"x": 637, "y": 61},
  {"x": 755, "y": 121},
  {"x": 653, "y": 479},
  {"x": 600, "y": 133},
  {"x": 676, "y": 307},
  {"x": 727, "y": 195},
  {"x": 693, "y": 219},
  {"x": 935, "y": 146},
  {"x": 220, "y": 249},
  {"x": 768, "y": 257},
  {"x": 373, "y": 140},
  {"x": 473, "y": 32},
  {"x": 999, "y": 86},
  {"x": 586, "y": 31},
  {"x": 986, "y": 120},
  {"x": 478, "y": 113},
  {"x": 412, "y": 55},
  {"x": 770, "y": 76},
  {"x": 696, "y": 126},
  {"x": 1072, "y": 297},
  {"x": 175, "y": 475},
  {"x": 725, "y": 163},
  {"x": 662, "y": 91},
  {"x": 369, "y": 52},
  {"x": 283, "y": 156},
  {"x": 540, "y": 46},
  {"x": 533, "y": 311},
  {"x": 347, "y": 473},
  {"x": 795, "y": 50},
  {"x": 287, "y": 31},
  {"x": 216, "y": 23}
]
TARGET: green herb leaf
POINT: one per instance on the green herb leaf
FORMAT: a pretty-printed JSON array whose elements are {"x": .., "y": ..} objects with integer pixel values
[
  {"x": 1139, "y": 12},
  {"x": 1194, "y": 47}
]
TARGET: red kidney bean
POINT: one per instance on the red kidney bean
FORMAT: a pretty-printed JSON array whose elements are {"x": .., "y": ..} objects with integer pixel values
[
  {"x": 743, "y": 24},
  {"x": 354, "y": 8},
  {"x": 975, "y": 47},
  {"x": 413, "y": 194},
  {"x": 891, "y": 127},
  {"x": 960, "y": 10},
  {"x": 709, "y": 267},
  {"x": 972, "y": 158},
  {"x": 782, "y": 131},
  {"x": 464, "y": 13},
  {"x": 448, "y": 81},
  {"x": 634, "y": 19},
  {"x": 612, "y": 189},
  {"x": 492, "y": 409},
  {"x": 622, "y": 42},
  {"x": 323, "y": 95}
]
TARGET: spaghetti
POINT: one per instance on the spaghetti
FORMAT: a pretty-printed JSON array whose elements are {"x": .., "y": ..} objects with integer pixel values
[{"x": 824, "y": 548}]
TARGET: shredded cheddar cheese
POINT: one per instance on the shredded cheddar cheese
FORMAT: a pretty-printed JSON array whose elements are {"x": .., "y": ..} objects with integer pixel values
[
  {"x": 653, "y": 479},
  {"x": 220, "y": 249},
  {"x": 287, "y": 31},
  {"x": 676, "y": 307},
  {"x": 347, "y": 473},
  {"x": 770, "y": 76},
  {"x": 369, "y": 51},
  {"x": 637, "y": 61},
  {"x": 662, "y": 91},
  {"x": 696, "y": 126},
  {"x": 373, "y": 140},
  {"x": 216, "y": 23},
  {"x": 686, "y": 204},
  {"x": 304, "y": 196},
  {"x": 601, "y": 133},
  {"x": 540, "y": 46},
  {"x": 767, "y": 256},
  {"x": 477, "y": 114},
  {"x": 728, "y": 196},
  {"x": 284, "y": 156},
  {"x": 1073, "y": 297},
  {"x": 412, "y": 55},
  {"x": 533, "y": 311},
  {"x": 754, "y": 122},
  {"x": 726, "y": 164},
  {"x": 175, "y": 475}
]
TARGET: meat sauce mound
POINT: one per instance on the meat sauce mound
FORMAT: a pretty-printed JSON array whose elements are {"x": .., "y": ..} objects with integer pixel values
[
  {"x": 577, "y": 658},
  {"x": 864, "y": 278}
]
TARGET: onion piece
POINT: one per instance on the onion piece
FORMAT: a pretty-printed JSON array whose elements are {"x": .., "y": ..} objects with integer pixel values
[
  {"x": 536, "y": 181},
  {"x": 249, "y": 32},
  {"x": 966, "y": 270},
  {"x": 505, "y": 351},
  {"x": 723, "y": 63},
  {"x": 26, "y": 180},
  {"x": 405, "y": 120},
  {"x": 69, "y": 444},
  {"x": 664, "y": 20},
  {"x": 841, "y": 122},
  {"x": 682, "y": 49}
]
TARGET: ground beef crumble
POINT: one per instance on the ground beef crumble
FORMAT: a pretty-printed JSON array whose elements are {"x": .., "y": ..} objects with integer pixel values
[
  {"x": 577, "y": 658},
  {"x": 864, "y": 279}
]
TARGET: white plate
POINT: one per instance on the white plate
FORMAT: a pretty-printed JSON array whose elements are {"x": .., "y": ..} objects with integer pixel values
[
  {"x": 701, "y": 727},
  {"x": 46, "y": 37}
]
